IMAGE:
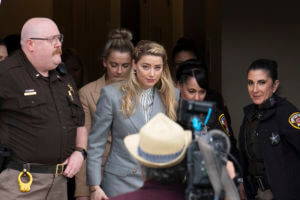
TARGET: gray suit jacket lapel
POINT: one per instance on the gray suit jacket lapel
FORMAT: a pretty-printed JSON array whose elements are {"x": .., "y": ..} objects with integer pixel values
[{"x": 138, "y": 119}]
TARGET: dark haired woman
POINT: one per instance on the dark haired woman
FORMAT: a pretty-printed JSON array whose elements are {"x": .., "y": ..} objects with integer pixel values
[
  {"x": 185, "y": 49},
  {"x": 269, "y": 139},
  {"x": 192, "y": 82}
]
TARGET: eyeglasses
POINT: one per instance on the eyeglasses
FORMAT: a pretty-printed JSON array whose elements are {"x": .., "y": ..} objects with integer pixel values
[{"x": 53, "y": 40}]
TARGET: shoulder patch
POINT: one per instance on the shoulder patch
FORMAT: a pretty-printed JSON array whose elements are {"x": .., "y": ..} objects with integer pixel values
[
  {"x": 223, "y": 122},
  {"x": 294, "y": 120}
]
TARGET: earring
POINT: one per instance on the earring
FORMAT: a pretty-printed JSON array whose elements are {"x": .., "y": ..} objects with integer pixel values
[{"x": 134, "y": 71}]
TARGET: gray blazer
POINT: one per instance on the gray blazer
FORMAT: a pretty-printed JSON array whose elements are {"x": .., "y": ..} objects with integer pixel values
[{"x": 122, "y": 173}]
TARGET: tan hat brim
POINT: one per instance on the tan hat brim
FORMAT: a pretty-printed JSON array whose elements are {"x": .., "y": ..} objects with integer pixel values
[{"x": 132, "y": 142}]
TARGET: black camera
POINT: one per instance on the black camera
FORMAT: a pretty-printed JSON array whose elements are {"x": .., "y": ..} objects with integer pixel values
[
  {"x": 188, "y": 111},
  {"x": 197, "y": 116}
]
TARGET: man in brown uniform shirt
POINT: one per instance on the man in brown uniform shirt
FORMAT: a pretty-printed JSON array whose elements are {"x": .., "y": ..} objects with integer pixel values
[{"x": 41, "y": 118}]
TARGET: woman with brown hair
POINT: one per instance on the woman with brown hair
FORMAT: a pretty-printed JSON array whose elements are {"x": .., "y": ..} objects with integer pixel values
[{"x": 117, "y": 58}]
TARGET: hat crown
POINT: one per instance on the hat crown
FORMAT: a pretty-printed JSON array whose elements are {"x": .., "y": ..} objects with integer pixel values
[
  {"x": 161, "y": 136},
  {"x": 160, "y": 143}
]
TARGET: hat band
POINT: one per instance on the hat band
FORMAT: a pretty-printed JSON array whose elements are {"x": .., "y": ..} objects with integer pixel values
[{"x": 158, "y": 158}]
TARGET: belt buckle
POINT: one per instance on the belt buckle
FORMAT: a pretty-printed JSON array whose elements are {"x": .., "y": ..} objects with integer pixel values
[{"x": 59, "y": 169}]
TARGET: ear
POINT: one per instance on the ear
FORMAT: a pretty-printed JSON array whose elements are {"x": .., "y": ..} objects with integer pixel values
[
  {"x": 180, "y": 87},
  {"x": 104, "y": 62},
  {"x": 275, "y": 85},
  {"x": 29, "y": 45}
]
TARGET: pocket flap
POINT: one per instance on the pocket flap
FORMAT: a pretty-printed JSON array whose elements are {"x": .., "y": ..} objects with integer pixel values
[{"x": 30, "y": 101}]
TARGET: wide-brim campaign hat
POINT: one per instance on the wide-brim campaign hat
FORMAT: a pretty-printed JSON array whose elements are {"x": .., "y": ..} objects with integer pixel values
[{"x": 160, "y": 143}]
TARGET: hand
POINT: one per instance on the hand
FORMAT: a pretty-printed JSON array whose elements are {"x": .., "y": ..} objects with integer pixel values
[
  {"x": 73, "y": 163},
  {"x": 230, "y": 169},
  {"x": 242, "y": 192},
  {"x": 98, "y": 194}
]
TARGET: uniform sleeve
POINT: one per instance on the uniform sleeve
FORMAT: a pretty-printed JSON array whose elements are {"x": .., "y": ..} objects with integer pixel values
[
  {"x": 3, "y": 82},
  {"x": 98, "y": 137},
  {"x": 79, "y": 111},
  {"x": 290, "y": 127},
  {"x": 224, "y": 126},
  {"x": 1, "y": 91},
  {"x": 81, "y": 115}
]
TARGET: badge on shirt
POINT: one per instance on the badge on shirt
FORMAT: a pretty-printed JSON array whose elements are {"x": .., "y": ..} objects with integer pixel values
[
  {"x": 70, "y": 88},
  {"x": 29, "y": 92},
  {"x": 223, "y": 122},
  {"x": 274, "y": 139},
  {"x": 294, "y": 120},
  {"x": 70, "y": 92}
]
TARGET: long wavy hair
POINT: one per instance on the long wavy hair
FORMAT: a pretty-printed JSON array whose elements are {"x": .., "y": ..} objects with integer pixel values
[{"x": 165, "y": 85}]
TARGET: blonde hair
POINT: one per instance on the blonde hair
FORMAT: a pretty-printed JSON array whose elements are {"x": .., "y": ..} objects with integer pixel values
[{"x": 165, "y": 85}]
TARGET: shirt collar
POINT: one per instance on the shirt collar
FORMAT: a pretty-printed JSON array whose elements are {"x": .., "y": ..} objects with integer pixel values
[
  {"x": 33, "y": 72},
  {"x": 269, "y": 103},
  {"x": 147, "y": 92}
]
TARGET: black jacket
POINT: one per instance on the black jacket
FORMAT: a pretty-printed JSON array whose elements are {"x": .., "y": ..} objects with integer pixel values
[{"x": 281, "y": 155}]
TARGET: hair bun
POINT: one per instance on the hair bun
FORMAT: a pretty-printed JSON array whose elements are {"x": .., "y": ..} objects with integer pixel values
[{"x": 120, "y": 33}]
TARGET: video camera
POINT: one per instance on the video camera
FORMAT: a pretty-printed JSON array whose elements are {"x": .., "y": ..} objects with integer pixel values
[{"x": 207, "y": 154}]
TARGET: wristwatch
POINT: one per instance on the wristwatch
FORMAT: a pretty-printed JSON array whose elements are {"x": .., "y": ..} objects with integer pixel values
[{"x": 83, "y": 152}]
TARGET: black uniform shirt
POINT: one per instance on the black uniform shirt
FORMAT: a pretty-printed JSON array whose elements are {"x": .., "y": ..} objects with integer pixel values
[
  {"x": 279, "y": 140},
  {"x": 39, "y": 115},
  {"x": 252, "y": 147}
]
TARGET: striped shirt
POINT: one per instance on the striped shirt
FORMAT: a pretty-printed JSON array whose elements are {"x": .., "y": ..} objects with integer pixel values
[{"x": 146, "y": 100}]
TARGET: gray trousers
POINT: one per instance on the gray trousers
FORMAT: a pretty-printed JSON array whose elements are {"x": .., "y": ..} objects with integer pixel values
[{"x": 44, "y": 186}]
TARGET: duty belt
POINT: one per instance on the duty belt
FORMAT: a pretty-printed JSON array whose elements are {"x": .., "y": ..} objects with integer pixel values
[{"x": 36, "y": 168}]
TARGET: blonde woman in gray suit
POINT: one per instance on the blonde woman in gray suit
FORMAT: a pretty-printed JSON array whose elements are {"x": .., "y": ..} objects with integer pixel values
[
  {"x": 123, "y": 108},
  {"x": 117, "y": 58}
]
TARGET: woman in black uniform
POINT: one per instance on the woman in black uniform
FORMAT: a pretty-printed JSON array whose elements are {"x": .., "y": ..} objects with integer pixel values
[
  {"x": 269, "y": 139},
  {"x": 192, "y": 82}
]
